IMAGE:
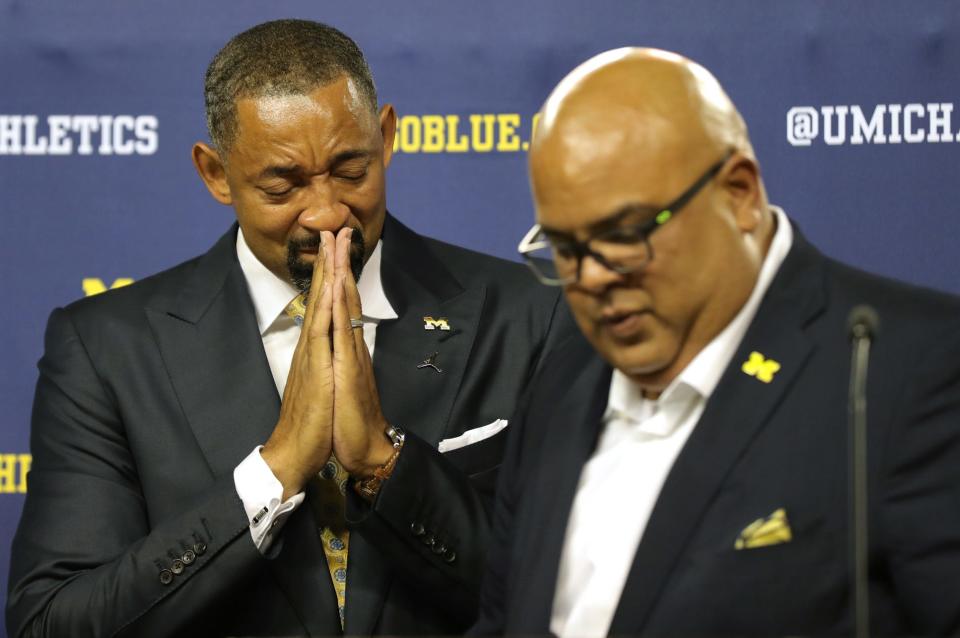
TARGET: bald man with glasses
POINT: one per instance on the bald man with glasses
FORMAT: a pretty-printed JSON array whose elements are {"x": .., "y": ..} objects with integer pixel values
[{"x": 681, "y": 467}]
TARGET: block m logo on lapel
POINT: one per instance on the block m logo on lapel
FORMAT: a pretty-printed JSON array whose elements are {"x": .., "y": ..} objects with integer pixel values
[
  {"x": 760, "y": 367},
  {"x": 440, "y": 323},
  {"x": 772, "y": 530}
]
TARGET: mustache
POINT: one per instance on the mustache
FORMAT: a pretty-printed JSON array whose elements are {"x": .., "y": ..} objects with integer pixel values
[
  {"x": 305, "y": 243},
  {"x": 312, "y": 242},
  {"x": 301, "y": 272}
]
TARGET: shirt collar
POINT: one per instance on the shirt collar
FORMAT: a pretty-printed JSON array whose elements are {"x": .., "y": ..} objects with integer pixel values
[
  {"x": 271, "y": 294},
  {"x": 373, "y": 298},
  {"x": 703, "y": 373}
]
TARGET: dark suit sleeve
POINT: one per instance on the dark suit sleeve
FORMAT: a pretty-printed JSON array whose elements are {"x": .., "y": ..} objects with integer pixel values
[
  {"x": 920, "y": 487},
  {"x": 432, "y": 518},
  {"x": 430, "y": 522},
  {"x": 87, "y": 557}
]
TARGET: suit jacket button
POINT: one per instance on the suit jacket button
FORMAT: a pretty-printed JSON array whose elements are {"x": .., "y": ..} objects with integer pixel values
[
  {"x": 449, "y": 556},
  {"x": 200, "y": 548},
  {"x": 438, "y": 548},
  {"x": 177, "y": 567},
  {"x": 428, "y": 540},
  {"x": 188, "y": 557},
  {"x": 417, "y": 529},
  {"x": 166, "y": 577}
]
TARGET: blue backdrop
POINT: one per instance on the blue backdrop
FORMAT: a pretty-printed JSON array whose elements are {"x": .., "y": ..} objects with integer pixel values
[{"x": 850, "y": 106}]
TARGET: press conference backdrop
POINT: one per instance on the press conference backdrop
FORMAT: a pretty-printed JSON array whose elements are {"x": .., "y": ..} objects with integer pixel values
[{"x": 851, "y": 106}]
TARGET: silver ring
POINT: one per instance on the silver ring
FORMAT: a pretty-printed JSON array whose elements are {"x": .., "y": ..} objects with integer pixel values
[{"x": 356, "y": 323}]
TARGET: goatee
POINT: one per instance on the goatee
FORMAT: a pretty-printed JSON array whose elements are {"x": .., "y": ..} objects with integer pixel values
[{"x": 301, "y": 271}]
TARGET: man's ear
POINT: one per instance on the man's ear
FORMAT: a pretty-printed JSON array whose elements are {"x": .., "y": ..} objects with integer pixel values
[
  {"x": 388, "y": 128},
  {"x": 211, "y": 170},
  {"x": 742, "y": 182}
]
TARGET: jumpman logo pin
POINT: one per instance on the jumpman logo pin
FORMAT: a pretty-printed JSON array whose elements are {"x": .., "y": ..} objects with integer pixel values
[{"x": 430, "y": 362}]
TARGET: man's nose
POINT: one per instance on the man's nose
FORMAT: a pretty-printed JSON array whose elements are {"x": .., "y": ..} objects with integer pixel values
[
  {"x": 322, "y": 208},
  {"x": 595, "y": 277}
]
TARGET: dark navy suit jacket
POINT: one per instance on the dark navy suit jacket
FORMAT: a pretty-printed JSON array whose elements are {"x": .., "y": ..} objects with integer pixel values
[
  {"x": 757, "y": 448},
  {"x": 150, "y": 395}
]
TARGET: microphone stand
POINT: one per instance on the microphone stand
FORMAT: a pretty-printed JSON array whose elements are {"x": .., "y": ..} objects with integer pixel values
[{"x": 862, "y": 324}]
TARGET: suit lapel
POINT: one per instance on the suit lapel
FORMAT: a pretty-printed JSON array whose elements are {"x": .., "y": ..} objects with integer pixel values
[
  {"x": 211, "y": 346},
  {"x": 738, "y": 409},
  {"x": 418, "y": 285},
  {"x": 578, "y": 417},
  {"x": 210, "y": 343}
]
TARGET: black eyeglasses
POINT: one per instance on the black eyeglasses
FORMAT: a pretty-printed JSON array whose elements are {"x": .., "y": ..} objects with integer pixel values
[{"x": 622, "y": 247}]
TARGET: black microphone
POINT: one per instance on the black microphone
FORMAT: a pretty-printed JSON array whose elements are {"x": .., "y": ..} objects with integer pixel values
[{"x": 863, "y": 326}]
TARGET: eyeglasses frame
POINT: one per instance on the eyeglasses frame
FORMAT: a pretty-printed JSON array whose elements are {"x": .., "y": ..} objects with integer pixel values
[{"x": 642, "y": 231}]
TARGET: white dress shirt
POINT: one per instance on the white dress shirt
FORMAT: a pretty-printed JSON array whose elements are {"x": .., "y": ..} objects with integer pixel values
[
  {"x": 256, "y": 485},
  {"x": 621, "y": 482}
]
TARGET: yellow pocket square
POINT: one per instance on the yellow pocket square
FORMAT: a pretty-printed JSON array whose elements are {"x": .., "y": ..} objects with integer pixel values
[{"x": 772, "y": 530}]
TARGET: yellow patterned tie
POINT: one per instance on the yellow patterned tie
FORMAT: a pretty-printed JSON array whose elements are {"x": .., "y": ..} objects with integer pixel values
[{"x": 328, "y": 502}]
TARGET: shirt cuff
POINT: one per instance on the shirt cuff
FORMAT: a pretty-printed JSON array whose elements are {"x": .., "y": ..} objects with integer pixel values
[{"x": 261, "y": 492}]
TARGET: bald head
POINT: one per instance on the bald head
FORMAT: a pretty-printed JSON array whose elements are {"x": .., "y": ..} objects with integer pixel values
[
  {"x": 656, "y": 101},
  {"x": 640, "y": 155}
]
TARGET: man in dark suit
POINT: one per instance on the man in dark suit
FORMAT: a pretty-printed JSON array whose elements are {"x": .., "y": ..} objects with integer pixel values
[
  {"x": 681, "y": 468},
  {"x": 153, "y": 510}
]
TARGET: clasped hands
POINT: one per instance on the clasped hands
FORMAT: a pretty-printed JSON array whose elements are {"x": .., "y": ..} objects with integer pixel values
[{"x": 330, "y": 403}]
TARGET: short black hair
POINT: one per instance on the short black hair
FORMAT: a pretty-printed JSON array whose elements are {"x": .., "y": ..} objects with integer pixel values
[{"x": 282, "y": 57}]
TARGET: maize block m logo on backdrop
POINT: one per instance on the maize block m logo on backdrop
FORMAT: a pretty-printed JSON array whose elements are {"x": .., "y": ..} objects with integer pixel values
[{"x": 94, "y": 285}]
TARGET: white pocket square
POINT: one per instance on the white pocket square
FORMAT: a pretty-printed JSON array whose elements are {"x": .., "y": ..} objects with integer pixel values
[{"x": 472, "y": 436}]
